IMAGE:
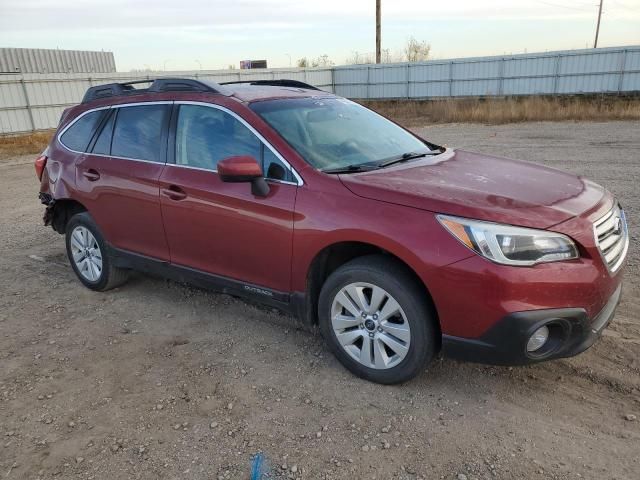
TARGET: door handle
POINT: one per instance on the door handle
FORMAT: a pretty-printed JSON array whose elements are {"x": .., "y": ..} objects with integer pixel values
[
  {"x": 174, "y": 192},
  {"x": 91, "y": 175}
]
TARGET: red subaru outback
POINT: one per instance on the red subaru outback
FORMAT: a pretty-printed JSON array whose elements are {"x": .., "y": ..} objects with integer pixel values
[{"x": 397, "y": 248}]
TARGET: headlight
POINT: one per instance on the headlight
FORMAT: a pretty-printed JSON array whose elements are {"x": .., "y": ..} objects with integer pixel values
[{"x": 510, "y": 245}]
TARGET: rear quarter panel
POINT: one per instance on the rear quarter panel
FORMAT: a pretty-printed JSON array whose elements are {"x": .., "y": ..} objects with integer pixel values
[{"x": 59, "y": 177}]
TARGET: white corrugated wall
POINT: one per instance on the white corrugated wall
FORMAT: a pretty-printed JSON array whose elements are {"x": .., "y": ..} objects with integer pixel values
[
  {"x": 39, "y": 60},
  {"x": 35, "y": 101},
  {"x": 602, "y": 70}
]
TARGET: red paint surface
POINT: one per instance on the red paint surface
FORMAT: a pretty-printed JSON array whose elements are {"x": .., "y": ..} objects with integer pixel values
[
  {"x": 240, "y": 166},
  {"x": 124, "y": 202},
  {"x": 222, "y": 228}
]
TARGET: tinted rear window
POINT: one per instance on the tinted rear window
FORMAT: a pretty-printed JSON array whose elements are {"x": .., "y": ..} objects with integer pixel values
[
  {"x": 138, "y": 132},
  {"x": 78, "y": 135},
  {"x": 103, "y": 142}
]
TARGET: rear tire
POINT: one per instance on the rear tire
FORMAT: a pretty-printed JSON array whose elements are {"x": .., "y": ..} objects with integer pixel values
[
  {"x": 377, "y": 320},
  {"x": 89, "y": 255}
]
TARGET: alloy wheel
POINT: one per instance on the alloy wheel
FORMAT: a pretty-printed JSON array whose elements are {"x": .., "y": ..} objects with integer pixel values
[
  {"x": 370, "y": 325},
  {"x": 86, "y": 253}
]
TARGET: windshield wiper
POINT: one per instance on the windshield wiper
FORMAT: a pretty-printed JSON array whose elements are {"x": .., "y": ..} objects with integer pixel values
[
  {"x": 408, "y": 156},
  {"x": 353, "y": 168},
  {"x": 365, "y": 167}
]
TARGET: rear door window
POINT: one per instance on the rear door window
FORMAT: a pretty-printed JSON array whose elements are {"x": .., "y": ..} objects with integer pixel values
[
  {"x": 138, "y": 132},
  {"x": 103, "y": 142},
  {"x": 78, "y": 135}
]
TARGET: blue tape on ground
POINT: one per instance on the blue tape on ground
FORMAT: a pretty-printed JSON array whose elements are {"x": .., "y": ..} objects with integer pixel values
[{"x": 256, "y": 467}]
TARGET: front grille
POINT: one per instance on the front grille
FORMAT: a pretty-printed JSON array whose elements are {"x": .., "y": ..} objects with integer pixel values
[{"x": 612, "y": 237}]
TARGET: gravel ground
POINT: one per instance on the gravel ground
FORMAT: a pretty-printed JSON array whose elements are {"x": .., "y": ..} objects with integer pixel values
[{"x": 160, "y": 380}]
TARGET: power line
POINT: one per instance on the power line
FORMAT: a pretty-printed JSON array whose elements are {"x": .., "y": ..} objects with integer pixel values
[
  {"x": 626, "y": 7},
  {"x": 580, "y": 9}
]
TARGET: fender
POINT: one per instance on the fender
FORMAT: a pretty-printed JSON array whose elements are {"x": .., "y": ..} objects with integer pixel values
[{"x": 415, "y": 237}]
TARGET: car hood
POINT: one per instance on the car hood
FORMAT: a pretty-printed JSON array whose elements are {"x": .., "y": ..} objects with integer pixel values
[{"x": 480, "y": 186}]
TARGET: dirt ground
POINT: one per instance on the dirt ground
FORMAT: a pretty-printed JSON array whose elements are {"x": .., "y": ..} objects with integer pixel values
[{"x": 160, "y": 380}]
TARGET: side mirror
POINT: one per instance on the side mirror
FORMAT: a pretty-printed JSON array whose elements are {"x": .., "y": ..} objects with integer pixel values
[{"x": 244, "y": 169}]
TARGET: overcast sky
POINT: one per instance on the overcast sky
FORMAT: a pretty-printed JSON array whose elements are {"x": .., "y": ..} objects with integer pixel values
[{"x": 177, "y": 34}]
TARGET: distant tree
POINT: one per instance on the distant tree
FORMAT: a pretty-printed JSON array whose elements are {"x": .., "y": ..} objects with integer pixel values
[
  {"x": 322, "y": 61},
  {"x": 302, "y": 62},
  {"x": 359, "y": 58},
  {"x": 231, "y": 67},
  {"x": 416, "y": 51},
  {"x": 391, "y": 57}
]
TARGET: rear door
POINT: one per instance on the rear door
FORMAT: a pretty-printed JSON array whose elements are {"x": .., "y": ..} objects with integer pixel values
[
  {"x": 118, "y": 179},
  {"x": 218, "y": 227}
]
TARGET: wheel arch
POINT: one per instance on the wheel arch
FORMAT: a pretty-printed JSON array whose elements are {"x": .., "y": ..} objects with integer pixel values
[
  {"x": 332, "y": 256},
  {"x": 60, "y": 211}
]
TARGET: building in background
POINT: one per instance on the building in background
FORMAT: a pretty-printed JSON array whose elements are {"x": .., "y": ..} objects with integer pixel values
[{"x": 38, "y": 60}]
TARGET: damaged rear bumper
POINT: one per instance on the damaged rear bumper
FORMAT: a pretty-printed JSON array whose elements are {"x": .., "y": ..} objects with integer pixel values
[
  {"x": 49, "y": 217},
  {"x": 48, "y": 200}
]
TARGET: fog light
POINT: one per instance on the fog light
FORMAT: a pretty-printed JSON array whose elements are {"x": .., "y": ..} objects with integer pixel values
[{"x": 538, "y": 339}]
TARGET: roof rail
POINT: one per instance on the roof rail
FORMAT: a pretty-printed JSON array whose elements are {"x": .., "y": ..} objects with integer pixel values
[
  {"x": 157, "y": 85},
  {"x": 276, "y": 83}
]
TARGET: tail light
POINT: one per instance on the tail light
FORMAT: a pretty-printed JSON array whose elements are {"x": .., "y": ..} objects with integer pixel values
[{"x": 40, "y": 163}]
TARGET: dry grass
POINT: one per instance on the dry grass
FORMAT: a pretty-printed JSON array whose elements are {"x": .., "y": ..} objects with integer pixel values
[
  {"x": 423, "y": 112},
  {"x": 508, "y": 110},
  {"x": 31, "y": 143}
]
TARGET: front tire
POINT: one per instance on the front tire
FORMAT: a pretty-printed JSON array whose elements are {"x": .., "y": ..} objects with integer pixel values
[
  {"x": 377, "y": 320},
  {"x": 89, "y": 255}
]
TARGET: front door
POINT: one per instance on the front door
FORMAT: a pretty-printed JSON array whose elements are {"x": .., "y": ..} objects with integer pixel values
[{"x": 222, "y": 228}]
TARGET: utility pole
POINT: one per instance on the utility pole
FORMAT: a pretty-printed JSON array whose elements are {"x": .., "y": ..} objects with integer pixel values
[
  {"x": 378, "y": 39},
  {"x": 595, "y": 43}
]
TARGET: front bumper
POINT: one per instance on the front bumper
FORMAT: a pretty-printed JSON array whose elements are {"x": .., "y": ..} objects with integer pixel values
[{"x": 571, "y": 332}]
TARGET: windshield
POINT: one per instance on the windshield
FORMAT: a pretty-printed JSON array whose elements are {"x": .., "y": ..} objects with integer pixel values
[{"x": 335, "y": 133}]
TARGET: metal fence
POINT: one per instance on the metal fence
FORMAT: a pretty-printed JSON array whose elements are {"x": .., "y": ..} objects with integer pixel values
[
  {"x": 602, "y": 70},
  {"x": 35, "y": 101}
]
